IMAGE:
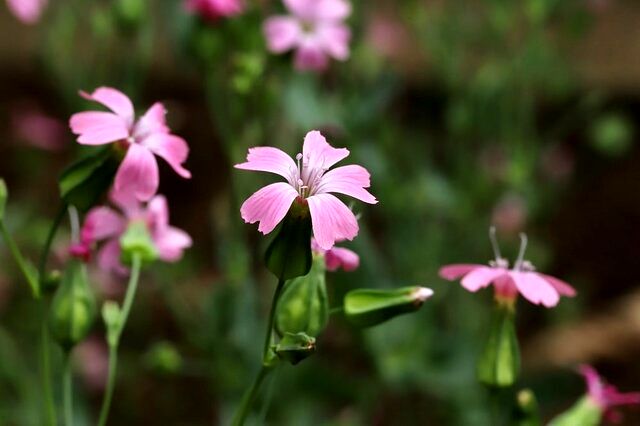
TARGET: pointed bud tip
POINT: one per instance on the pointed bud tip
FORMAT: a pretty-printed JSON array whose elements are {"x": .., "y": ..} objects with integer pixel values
[{"x": 422, "y": 293}]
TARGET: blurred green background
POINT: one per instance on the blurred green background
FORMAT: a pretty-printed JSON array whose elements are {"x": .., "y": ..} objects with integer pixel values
[{"x": 522, "y": 114}]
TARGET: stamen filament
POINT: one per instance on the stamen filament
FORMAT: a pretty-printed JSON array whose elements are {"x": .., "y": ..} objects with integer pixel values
[
  {"x": 523, "y": 248},
  {"x": 494, "y": 242}
]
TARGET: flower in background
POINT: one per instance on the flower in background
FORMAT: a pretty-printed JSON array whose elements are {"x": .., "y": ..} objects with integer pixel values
[
  {"x": 311, "y": 184},
  {"x": 214, "y": 9},
  {"x": 510, "y": 214},
  {"x": 536, "y": 287},
  {"x": 606, "y": 396},
  {"x": 31, "y": 125},
  {"x": 91, "y": 357},
  {"x": 106, "y": 224},
  {"x": 337, "y": 257},
  {"x": 315, "y": 29},
  {"x": 27, "y": 11},
  {"x": 141, "y": 139}
]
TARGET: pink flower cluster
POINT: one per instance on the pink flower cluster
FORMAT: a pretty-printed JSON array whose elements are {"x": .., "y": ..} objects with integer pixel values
[
  {"x": 310, "y": 183},
  {"x": 27, "y": 11},
  {"x": 136, "y": 180},
  {"x": 213, "y": 10},
  {"x": 536, "y": 287},
  {"x": 606, "y": 396},
  {"x": 314, "y": 29}
]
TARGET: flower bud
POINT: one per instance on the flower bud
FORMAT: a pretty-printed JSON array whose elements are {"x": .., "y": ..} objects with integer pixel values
[
  {"x": 130, "y": 13},
  {"x": 51, "y": 281},
  {"x": 289, "y": 254},
  {"x": 4, "y": 195},
  {"x": 111, "y": 316},
  {"x": 585, "y": 412},
  {"x": 369, "y": 307},
  {"x": 164, "y": 358},
  {"x": 73, "y": 307},
  {"x": 295, "y": 347},
  {"x": 499, "y": 364},
  {"x": 137, "y": 240},
  {"x": 85, "y": 181},
  {"x": 526, "y": 412},
  {"x": 303, "y": 306}
]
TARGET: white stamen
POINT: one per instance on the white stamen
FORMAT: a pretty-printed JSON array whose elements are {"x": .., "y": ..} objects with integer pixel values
[
  {"x": 523, "y": 248},
  {"x": 494, "y": 242}
]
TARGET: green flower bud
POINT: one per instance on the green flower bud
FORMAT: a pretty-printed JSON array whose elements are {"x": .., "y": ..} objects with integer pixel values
[
  {"x": 130, "y": 13},
  {"x": 85, "y": 181},
  {"x": 289, "y": 254},
  {"x": 303, "y": 306},
  {"x": 526, "y": 412},
  {"x": 51, "y": 281},
  {"x": 164, "y": 358},
  {"x": 73, "y": 308},
  {"x": 295, "y": 347},
  {"x": 369, "y": 307},
  {"x": 111, "y": 316},
  {"x": 4, "y": 196},
  {"x": 137, "y": 240},
  {"x": 585, "y": 412},
  {"x": 499, "y": 364}
]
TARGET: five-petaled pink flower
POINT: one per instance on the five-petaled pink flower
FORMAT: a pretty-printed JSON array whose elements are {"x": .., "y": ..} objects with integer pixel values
[
  {"x": 27, "y": 11},
  {"x": 315, "y": 29},
  {"x": 310, "y": 183},
  {"x": 106, "y": 224},
  {"x": 214, "y": 9},
  {"x": 337, "y": 257},
  {"x": 606, "y": 396},
  {"x": 142, "y": 139},
  {"x": 536, "y": 287}
]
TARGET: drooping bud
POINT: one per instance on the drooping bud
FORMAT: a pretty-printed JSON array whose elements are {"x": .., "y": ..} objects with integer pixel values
[
  {"x": 136, "y": 240},
  {"x": 295, "y": 347},
  {"x": 289, "y": 254},
  {"x": 164, "y": 358},
  {"x": 369, "y": 307},
  {"x": 303, "y": 306},
  {"x": 499, "y": 364},
  {"x": 526, "y": 412},
  {"x": 4, "y": 196},
  {"x": 85, "y": 181},
  {"x": 111, "y": 315},
  {"x": 585, "y": 412},
  {"x": 73, "y": 308}
]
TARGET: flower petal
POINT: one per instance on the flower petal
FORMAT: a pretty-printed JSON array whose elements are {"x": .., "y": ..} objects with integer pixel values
[
  {"x": 272, "y": 160},
  {"x": 101, "y": 223},
  {"x": 302, "y": 8},
  {"x": 109, "y": 258},
  {"x": 317, "y": 153},
  {"x": 332, "y": 220},
  {"x": 138, "y": 173},
  {"x": 158, "y": 213},
  {"x": 534, "y": 288},
  {"x": 455, "y": 271},
  {"x": 153, "y": 121},
  {"x": 113, "y": 99},
  {"x": 349, "y": 180},
  {"x": 282, "y": 33},
  {"x": 310, "y": 56},
  {"x": 332, "y": 10},
  {"x": 172, "y": 148},
  {"x": 334, "y": 40},
  {"x": 563, "y": 288},
  {"x": 27, "y": 11},
  {"x": 268, "y": 206},
  {"x": 127, "y": 201},
  {"x": 341, "y": 257},
  {"x": 171, "y": 243},
  {"x": 97, "y": 127},
  {"x": 481, "y": 277}
]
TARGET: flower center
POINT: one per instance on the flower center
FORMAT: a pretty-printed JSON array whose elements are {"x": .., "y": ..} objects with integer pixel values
[{"x": 308, "y": 176}]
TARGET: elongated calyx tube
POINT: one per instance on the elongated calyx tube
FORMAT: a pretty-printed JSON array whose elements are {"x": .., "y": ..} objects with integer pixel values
[
  {"x": 369, "y": 307},
  {"x": 289, "y": 254}
]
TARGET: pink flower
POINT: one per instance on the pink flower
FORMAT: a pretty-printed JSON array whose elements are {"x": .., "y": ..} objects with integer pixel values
[
  {"x": 536, "y": 287},
  {"x": 309, "y": 183},
  {"x": 105, "y": 224},
  {"x": 27, "y": 11},
  {"x": 214, "y": 9},
  {"x": 142, "y": 138},
  {"x": 31, "y": 125},
  {"x": 606, "y": 396},
  {"x": 337, "y": 257},
  {"x": 314, "y": 29}
]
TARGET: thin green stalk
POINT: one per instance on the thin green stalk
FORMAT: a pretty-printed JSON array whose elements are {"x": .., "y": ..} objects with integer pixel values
[
  {"x": 68, "y": 391},
  {"x": 272, "y": 314},
  {"x": 28, "y": 273},
  {"x": 46, "y": 248},
  {"x": 45, "y": 371},
  {"x": 250, "y": 396},
  {"x": 113, "y": 344}
]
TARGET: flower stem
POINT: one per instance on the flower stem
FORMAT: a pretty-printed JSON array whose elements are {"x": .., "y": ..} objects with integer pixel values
[
  {"x": 46, "y": 248},
  {"x": 45, "y": 370},
  {"x": 28, "y": 273},
  {"x": 68, "y": 395},
  {"x": 272, "y": 314},
  {"x": 113, "y": 343}
]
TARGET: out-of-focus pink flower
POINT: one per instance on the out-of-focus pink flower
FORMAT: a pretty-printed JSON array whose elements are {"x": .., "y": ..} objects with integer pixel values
[
  {"x": 557, "y": 163},
  {"x": 510, "y": 214},
  {"x": 606, "y": 396},
  {"x": 92, "y": 358},
  {"x": 36, "y": 128},
  {"x": 537, "y": 288},
  {"x": 106, "y": 224},
  {"x": 337, "y": 257},
  {"x": 142, "y": 139},
  {"x": 27, "y": 11},
  {"x": 315, "y": 29},
  {"x": 214, "y": 9},
  {"x": 310, "y": 183}
]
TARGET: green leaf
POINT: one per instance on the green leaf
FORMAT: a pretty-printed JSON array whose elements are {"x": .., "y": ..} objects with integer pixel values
[
  {"x": 369, "y": 307},
  {"x": 584, "y": 413}
]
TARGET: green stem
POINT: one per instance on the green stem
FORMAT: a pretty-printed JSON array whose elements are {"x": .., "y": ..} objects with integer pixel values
[
  {"x": 68, "y": 395},
  {"x": 272, "y": 314},
  {"x": 46, "y": 366},
  {"x": 113, "y": 343},
  {"x": 22, "y": 263},
  {"x": 46, "y": 249},
  {"x": 250, "y": 396}
]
